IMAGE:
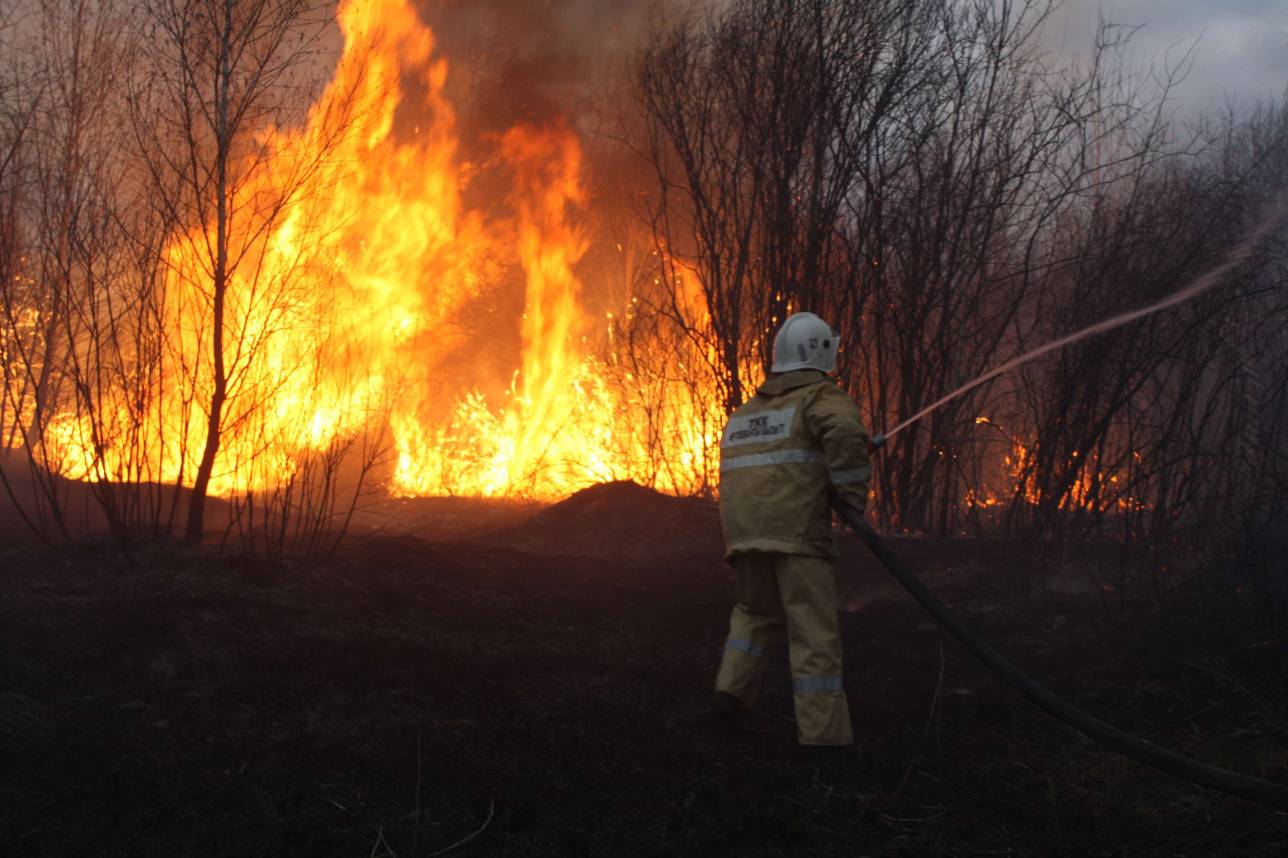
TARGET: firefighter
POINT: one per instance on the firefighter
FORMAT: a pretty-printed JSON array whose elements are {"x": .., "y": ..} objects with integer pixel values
[{"x": 788, "y": 455}]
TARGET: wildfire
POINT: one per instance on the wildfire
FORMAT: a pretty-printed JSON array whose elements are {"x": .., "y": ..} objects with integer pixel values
[
  {"x": 346, "y": 321},
  {"x": 1094, "y": 486}
]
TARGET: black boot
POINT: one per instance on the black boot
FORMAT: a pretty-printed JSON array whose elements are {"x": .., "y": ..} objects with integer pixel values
[
  {"x": 726, "y": 710},
  {"x": 829, "y": 757}
]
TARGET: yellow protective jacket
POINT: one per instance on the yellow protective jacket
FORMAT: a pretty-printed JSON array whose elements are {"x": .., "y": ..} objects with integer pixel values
[{"x": 787, "y": 455}]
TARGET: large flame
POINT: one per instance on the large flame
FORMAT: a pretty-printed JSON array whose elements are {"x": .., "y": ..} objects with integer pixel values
[{"x": 358, "y": 258}]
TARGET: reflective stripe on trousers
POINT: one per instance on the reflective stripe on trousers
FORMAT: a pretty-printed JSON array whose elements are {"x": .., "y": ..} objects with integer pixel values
[
  {"x": 816, "y": 684},
  {"x": 740, "y": 645}
]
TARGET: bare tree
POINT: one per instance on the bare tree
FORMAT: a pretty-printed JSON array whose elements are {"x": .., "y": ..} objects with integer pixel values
[
  {"x": 221, "y": 72},
  {"x": 957, "y": 229},
  {"x": 901, "y": 167},
  {"x": 20, "y": 90},
  {"x": 65, "y": 304},
  {"x": 1162, "y": 434},
  {"x": 757, "y": 117}
]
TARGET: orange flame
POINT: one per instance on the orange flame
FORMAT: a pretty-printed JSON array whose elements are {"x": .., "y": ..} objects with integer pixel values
[
  {"x": 344, "y": 312},
  {"x": 1096, "y": 487}
]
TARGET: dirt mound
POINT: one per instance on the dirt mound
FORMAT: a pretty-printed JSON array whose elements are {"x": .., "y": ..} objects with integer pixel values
[
  {"x": 28, "y": 490},
  {"x": 624, "y": 520}
]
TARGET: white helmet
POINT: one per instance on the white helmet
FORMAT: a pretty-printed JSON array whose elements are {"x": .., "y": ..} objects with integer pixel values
[{"x": 805, "y": 342}]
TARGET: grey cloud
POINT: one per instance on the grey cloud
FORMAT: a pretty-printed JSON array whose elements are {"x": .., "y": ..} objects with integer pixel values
[{"x": 1240, "y": 46}]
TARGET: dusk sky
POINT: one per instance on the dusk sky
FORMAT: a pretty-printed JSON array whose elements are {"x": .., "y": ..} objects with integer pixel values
[{"x": 1242, "y": 45}]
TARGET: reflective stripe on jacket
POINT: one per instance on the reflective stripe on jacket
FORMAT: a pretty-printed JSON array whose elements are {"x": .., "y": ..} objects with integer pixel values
[{"x": 787, "y": 455}]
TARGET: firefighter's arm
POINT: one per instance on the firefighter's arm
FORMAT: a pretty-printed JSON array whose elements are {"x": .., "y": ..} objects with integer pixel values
[{"x": 834, "y": 420}]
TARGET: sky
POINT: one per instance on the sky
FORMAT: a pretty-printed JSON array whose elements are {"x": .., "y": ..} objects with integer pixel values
[
  {"x": 1241, "y": 50},
  {"x": 545, "y": 56}
]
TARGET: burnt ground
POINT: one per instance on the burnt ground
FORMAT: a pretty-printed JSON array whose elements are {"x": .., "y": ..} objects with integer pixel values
[{"x": 541, "y": 680}]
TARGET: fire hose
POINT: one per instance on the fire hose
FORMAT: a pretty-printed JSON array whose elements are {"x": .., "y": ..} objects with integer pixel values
[{"x": 1232, "y": 783}]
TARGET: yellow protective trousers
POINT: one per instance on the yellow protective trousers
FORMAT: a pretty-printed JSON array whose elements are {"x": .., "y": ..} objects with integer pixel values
[{"x": 798, "y": 591}]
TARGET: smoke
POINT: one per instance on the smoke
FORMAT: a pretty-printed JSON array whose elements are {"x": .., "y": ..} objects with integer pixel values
[
  {"x": 530, "y": 61},
  {"x": 544, "y": 63}
]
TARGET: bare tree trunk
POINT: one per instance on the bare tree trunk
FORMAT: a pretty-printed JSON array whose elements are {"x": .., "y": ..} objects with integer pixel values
[{"x": 219, "y": 394}]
